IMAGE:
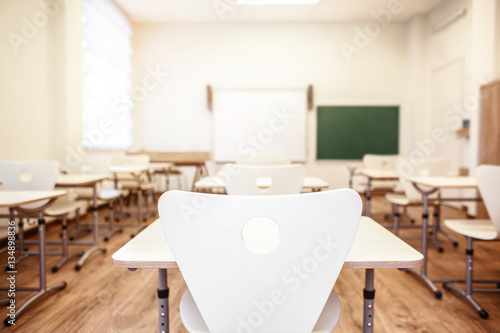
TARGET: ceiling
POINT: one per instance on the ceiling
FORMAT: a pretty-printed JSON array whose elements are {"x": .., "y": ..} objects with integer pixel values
[{"x": 227, "y": 11}]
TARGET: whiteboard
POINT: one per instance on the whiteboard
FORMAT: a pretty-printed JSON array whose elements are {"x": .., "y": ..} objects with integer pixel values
[{"x": 259, "y": 123}]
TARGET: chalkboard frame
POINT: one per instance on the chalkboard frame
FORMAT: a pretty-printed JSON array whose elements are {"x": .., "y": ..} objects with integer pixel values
[{"x": 348, "y": 132}]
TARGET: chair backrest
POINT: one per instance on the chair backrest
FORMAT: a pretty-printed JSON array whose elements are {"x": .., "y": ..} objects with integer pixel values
[
  {"x": 488, "y": 182},
  {"x": 141, "y": 160},
  {"x": 260, "y": 263},
  {"x": 436, "y": 166},
  {"x": 379, "y": 162},
  {"x": 24, "y": 176},
  {"x": 264, "y": 179},
  {"x": 97, "y": 164}
]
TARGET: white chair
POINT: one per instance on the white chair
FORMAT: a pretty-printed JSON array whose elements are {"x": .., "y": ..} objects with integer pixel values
[
  {"x": 374, "y": 162},
  {"x": 437, "y": 166},
  {"x": 107, "y": 194},
  {"x": 136, "y": 183},
  {"x": 488, "y": 181},
  {"x": 241, "y": 179},
  {"x": 42, "y": 176},
  {"x": 260, "y": 263},
  {"x": 206, "y": 183},
  {"x": 379, "y": 162}
]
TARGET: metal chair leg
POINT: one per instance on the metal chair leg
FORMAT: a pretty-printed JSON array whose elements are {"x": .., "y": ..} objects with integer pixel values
[{"x": 467, "y": 293}]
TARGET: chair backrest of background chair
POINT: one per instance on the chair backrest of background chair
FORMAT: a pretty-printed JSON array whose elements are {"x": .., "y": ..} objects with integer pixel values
[
  {"x": 98, "y": 164},
  {"x": 264, "y": 180},
  {"x": 435, "y": 166},
  {"x": 39, "y": 176},
  {"x": 260, "y": 263},
  {"x": 141, "y": 160},
  {"x": 379, "y": 162},
  {"x": 488, "y": 182}
]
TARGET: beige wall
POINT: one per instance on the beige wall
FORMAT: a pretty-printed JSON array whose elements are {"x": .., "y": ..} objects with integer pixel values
[
  {"x": 175, "y": 117},
  {"x": 40, "y": 73},
  {"x": 41, "y": 95},
  {"x": 26, "y": 125}
]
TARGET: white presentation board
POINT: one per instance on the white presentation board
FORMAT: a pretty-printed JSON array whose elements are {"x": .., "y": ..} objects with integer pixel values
[{"x": 259, "y": 123}]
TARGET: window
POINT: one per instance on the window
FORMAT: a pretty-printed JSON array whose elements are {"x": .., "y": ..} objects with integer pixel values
[{"x": 107, "y": 83}]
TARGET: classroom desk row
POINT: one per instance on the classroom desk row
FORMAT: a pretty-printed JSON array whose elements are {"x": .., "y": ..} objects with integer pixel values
[
  {"x": 426, "y": 185},
  {"x": 216, "y": 184},
  {"x": 374, "y": 247},
  {"x": 15, "y": 200}
]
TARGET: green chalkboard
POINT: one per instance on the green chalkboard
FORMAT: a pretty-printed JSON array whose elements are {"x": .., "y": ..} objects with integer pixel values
[{"x": 349, "y": 132}]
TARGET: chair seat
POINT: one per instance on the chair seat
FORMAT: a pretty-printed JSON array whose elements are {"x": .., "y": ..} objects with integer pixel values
[
  {"x": 397, "y": 199},
  {"x": 377, "y": 187},
  {"x": 104, "y": 194},
  {"x": 133, "y": 185},
  {"x": 478, "y": 229},
  {"x": 63, "y": 207},
  {"x": 402, "y": 200},
  {"x": 194, "y": 323},
  {"x": 109, "y": 194}
]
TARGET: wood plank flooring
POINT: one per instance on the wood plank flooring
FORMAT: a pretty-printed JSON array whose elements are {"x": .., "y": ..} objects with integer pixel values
[{"x": 104, "y": 298}]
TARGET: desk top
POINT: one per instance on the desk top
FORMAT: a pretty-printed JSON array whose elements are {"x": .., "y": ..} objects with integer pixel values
[
  {"x": 373, "y": 247},
  {"x": 158, "y": 166},
  {"x": 444, "y": 181},
  {"x": 379, "y": 174},
  {"x": 129, "y": 168},
  {"x": 83, "y": 179},
  {"x": 177, "y": 157},
  {"x": 14, "y": 199},
  {"x": 214, "y": 182}
]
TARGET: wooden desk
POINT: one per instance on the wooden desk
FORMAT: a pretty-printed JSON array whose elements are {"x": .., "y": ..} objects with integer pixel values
[
  {"x": 182, "y": 158},
  {"x": 85, "y": 180},
  {"x": 14, "y": 200},
  {"x": 375, "y": 174},
  {"x": 211, "y": 183},
  {"x": 373, "y": 247},
  {"x": 427, "y": 185}
]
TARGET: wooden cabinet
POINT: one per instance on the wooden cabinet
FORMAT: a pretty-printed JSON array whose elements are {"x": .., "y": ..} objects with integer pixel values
[
  {"x": 489, "y": 141},
  {"x": 489, "y": 146}
]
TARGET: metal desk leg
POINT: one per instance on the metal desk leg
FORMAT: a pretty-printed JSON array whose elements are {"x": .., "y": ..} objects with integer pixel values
[
  {"x": 64, "y": 234},
  {"x": 369, "y": 301},
  {"x": 368, "y": 197},
  {"x": 436, "y": 228},
  {"x": 351, "y": 174},
  {"x": 140, "y": 226},
  {"x": 96, "y": 233},
  {"x": 425, "y": 223},
  {"x": 42, "y": 290},
  {"x": 163, "y": 301}
]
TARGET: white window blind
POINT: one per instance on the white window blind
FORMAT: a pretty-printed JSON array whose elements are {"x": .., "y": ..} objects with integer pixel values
[{"x": 107, "y": 83}]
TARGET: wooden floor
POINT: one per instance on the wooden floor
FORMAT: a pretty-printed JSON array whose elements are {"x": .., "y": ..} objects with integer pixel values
[{"x": 104, "y": 298}]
